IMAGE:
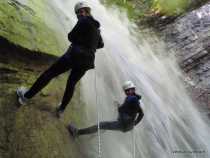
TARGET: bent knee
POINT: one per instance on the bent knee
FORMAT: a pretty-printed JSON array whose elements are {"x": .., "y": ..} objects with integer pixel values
[{"x": 127, "y": 128}]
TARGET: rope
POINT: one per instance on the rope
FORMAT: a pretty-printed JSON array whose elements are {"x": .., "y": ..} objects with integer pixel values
[
  {"x": 98, "y": 119},
  {"x": 134, "y": 143}
]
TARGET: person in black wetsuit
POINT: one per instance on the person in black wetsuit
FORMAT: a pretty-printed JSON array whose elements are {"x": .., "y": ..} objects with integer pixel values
[
  {"x": 130, "y": 114},
  {"x": 85, "y": 38}
]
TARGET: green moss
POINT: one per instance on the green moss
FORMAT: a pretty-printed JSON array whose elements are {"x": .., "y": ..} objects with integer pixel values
[
  {"x": 33, "y": 130},
  {"x": 26, "y": 27},
  {"x": 39, "y": 135},
  {"x": 171, "y": 7}
]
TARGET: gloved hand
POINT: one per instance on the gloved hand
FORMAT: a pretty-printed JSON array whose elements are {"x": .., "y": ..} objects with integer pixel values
[{"x": 116, "y": 103}]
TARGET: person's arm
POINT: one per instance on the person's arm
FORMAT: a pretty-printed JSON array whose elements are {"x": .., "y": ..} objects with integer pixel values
[
  {"x": 139, "y": 117},
  {"x": 72, "y": 34},
  {"x": 76, "y": 30},
  {"x": 116, "y": 104},
  {"x": 100, "y": 42}
]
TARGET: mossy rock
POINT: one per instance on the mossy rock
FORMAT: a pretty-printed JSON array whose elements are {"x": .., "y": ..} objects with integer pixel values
[
  {"x": 25, "y": 26},
  {"x": 33, "y": 131}
]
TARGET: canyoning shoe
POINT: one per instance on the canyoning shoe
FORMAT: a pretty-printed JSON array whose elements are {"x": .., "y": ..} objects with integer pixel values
[
  {"x": 59, "y": 112},
  {"x": 72, "y": 130},
  {"x": 20, "y": 93}
]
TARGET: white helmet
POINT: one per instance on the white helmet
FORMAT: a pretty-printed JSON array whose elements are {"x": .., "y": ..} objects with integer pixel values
[
  {"x": 80, "y": 5},
  {"x": 128, "y": 85}
]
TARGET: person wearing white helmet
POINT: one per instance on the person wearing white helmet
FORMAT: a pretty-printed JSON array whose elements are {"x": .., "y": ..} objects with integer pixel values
[
  {"x": 85, "y": 39},
  {"x": 82, "y": 5},
  {"x": 130, "y": 114}
]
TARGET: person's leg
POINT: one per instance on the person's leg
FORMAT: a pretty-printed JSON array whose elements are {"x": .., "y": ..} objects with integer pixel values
[
  {"x": 60, "y": 66},
  {"x": 107, "y": 125},
  {"x": 74, "y": 77}
]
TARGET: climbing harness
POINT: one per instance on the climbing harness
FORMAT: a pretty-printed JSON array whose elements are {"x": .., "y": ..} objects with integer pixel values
[{"x": 98, "y": 119}]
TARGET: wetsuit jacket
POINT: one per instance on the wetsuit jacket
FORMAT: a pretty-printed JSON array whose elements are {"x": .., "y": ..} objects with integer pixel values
[
  {"x": 129, "y": 110},
  {"x": 85, "y": 38}
]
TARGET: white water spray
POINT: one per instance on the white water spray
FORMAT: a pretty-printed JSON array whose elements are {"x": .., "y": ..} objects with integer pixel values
[{"x": 172, "y": 126}]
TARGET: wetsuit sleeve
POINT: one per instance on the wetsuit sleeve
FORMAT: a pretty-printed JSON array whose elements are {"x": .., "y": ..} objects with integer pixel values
[
  {"x": 133, "y": 100},
  {"x": 72, "y": 34},
  {"x": 78, "y": 28},
  {"x": 100, "y": 42},
  {"x": 139, "y": 117}
]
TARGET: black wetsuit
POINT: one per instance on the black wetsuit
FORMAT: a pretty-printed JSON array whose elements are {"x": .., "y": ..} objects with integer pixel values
[
  {"x": 85, "y": 38},
  {"x": 130, "y": 114}
]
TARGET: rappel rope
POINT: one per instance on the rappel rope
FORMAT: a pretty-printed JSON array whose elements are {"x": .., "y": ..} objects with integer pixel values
[
  {"x": 133, "y": 135},
  {"x": 98, "y": 120},
  {"x": 134, "y": 143}
]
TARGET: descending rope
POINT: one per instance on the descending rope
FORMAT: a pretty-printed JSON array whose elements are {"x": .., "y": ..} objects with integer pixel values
[
  {"x": 98, "y": 119},
  {"x": 134, "y": 143}
]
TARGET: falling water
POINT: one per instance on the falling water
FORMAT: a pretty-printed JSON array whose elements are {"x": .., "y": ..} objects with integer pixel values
[{"x": 172, "y": 126}]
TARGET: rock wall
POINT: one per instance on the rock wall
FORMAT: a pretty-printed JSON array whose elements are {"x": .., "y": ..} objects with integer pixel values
[
  {"x": 33, "y": 131},
  {"x": 26, "y": 25},
  {"x": 189, "y": 38}
]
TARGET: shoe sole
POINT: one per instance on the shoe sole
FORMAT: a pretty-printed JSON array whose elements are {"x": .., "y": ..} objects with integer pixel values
[
  {"x": 18, "y": 93},
  {"x": 19, "y": 98},
  {"x": 72, "y": 131}
]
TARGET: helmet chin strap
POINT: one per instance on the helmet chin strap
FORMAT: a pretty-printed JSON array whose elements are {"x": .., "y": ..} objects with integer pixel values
[{"x": 80, "y": 16}]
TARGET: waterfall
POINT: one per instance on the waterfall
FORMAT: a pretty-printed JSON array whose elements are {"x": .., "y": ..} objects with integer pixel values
[{"x": 172, "y": 125}]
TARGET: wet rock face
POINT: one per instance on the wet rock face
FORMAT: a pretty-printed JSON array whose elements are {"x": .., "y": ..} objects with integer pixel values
[
  {"x": 189, "y": 37},
  {"x": 33, "y": 130},
  {"x": 25, "y": 25}
]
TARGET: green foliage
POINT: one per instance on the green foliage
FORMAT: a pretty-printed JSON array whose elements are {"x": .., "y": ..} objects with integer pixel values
[
  {"x": 135, "y": 8},
  {"x": 170, "y": 7},
  {"x": 141, "y": 9}
]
